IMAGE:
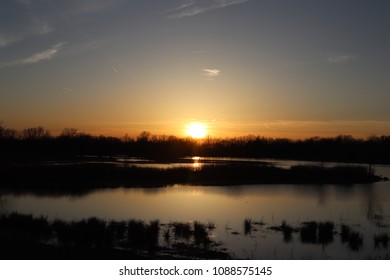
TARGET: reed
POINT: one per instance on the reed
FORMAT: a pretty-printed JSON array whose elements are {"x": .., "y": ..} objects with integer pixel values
[
  {"x": 26, "y": 226},
  {"x": 308, "y": 232},
  {"x": 381, "y": 240},
  {"x": 325, "y": 232},
  {"x": 287, "y": 231},
  {"x": 248, "y": 226},
  {"x": 96, "y": 238},
  {"x": 182, "y": 230},
  {"x": 201, "y": 235},
  {"x": 353, "y": 238},
  {"x": 210, "y": 226},
  {"x": 355, "y": 241},
  {"x": 345, "y": 232}
]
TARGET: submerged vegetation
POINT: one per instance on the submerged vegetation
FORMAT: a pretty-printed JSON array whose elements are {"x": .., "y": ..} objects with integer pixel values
[{"x": 26, "y": 237}]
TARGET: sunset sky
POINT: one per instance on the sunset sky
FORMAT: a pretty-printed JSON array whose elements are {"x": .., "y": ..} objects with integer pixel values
[{"x": 266, "y": 67}]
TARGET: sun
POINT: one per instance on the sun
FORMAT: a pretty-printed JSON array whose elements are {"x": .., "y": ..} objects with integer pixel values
[{"x": 196, "y": 130}]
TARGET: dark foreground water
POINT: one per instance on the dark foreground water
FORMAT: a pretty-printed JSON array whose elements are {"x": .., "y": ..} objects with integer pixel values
[{"x": 363, "y": 208}]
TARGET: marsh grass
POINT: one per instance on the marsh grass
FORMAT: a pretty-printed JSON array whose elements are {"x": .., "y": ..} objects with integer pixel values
[
  {"x": 308, "y": 232},
  {"x": 195, "y": 232},
  {"x": 26, "y": 226},
  {"x": 201, "y": 236},
  {"x": 286, "y": 229},
  {"x": 345, "y": 232},
  {"x": 143, "y": 236},
  {"x": 381, "y": 240},
  {"x": 167, "y": 236},
  {"x": 210, "y": 226},
  {"x": 260, "y": 222},
  {"x": 355, "y": 241},
  {"x": 88, "y": 233},
  {"x": 97, "y": 238},
  {"x": 353, "y": 238},
  {"x": 182, "y": 230},
  {"x": 317, "y": 232},
  {"x": 248, "y": 226},
  {"x": 325, "y": 233},
  {"x": 117, "y": 230}
]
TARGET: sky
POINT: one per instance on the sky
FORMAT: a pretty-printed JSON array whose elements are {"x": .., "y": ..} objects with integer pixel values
[{"x": 296, "y": 69}]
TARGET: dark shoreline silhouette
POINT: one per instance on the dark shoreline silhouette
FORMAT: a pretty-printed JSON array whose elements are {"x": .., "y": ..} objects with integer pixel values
[
  {"x": 79, "y": 178},
  {"x": 37, "y": 143},
  {"x": 34, "y": 161}
]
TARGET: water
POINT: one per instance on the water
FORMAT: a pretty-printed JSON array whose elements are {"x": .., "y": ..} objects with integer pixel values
[{"x": 365, "y": 208}]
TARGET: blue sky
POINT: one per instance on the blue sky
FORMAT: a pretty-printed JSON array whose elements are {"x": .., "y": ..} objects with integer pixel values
[{"x": 268, "y": 67}]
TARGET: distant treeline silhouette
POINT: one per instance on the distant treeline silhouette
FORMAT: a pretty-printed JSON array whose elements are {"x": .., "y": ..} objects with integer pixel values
[{"x": 38, "y": 142}]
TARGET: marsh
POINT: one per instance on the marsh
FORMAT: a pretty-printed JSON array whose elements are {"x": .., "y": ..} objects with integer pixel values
[{"x": 244, "y": 216}]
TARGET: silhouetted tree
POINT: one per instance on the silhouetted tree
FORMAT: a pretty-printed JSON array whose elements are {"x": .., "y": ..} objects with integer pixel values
[
  {"x": 7, "y": 133},
  {"x": 69, "y": 132},
  {"x": 144, "y": 136},
  {"x": 35, "y": 133}
]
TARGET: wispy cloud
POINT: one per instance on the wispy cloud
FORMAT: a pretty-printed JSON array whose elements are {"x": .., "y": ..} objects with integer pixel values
[
  {"x": 195, "y": 7},
  {"x": 35, "y": 27},
  {"x": 211, "y": 74},
  {"x": 6, "y": 40},
  {"x": 38, "y": 57},
  {"x": 44, "y": 55},
  {"x": 343, "y": 58}
]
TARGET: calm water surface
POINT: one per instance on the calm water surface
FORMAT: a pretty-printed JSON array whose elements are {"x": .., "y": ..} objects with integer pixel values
[{"x": 365, "y": 208}]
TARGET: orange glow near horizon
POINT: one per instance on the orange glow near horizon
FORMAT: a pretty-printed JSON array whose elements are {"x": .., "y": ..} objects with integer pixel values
[
  {"x": 196, "y": 130},
  {"x": 186, "y": 127}
]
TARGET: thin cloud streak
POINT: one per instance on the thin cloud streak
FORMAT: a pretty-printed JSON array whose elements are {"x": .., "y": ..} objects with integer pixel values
[
  {"x": 44, "y": 55},
  {"x": 340, "y": 59},
  {"x": 211, "y": 74},
  {"x": 195, "y": 7},
  {"x": 38, "y": 57}
]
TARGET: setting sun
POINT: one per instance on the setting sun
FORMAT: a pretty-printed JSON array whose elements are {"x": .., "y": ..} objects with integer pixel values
[{"x": 196, "y": 130}]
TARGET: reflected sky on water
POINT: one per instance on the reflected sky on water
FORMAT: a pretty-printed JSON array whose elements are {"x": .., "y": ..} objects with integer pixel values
[{"x": 365, "y": 207}]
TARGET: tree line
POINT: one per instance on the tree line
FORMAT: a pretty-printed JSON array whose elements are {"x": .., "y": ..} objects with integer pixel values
[{"x": 38, "y": 142}]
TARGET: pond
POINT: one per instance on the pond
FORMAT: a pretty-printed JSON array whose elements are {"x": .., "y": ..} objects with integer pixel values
[{"x": 363, "y": 208}]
